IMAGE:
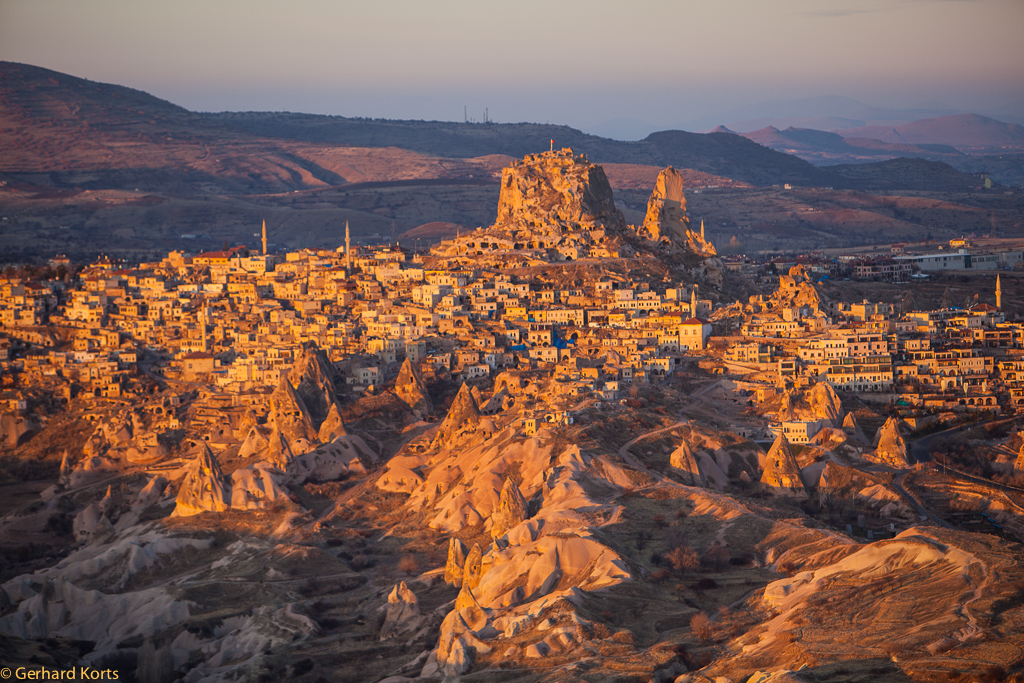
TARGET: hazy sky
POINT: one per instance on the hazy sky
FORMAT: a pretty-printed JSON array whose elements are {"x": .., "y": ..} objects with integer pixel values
[{"x": 578, "y": 62}]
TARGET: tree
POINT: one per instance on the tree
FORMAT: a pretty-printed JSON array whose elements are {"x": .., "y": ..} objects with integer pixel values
[
  {"x": 683, "y": 558},
  {"x": 716, "y": 558},
  {"x": 700, "y": 627}
]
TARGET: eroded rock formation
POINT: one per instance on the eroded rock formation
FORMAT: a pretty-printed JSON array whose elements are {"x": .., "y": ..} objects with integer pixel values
[
  {"x": 410, "y": 388},
  {"x": 203, "y": 488},
  {"x": 890, "y": 446},
  {"x": 511, "y": 510},
  {"x": 781, "y": 471},
  {"x": 462, "y": 417},
  {"x": 666, "y": 220}
]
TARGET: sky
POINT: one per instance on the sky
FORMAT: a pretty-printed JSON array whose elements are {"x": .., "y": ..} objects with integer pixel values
[{"x": 597, "y": 65}]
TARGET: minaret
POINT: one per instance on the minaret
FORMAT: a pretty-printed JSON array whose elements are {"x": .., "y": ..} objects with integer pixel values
[
  {"x": 202, "y": 326},
  {"x": 693, "y": 302},
  {"x": 264, "y": 237},
  {"x": 999, "y": 294},
  {"x": 348, "y": 249}
]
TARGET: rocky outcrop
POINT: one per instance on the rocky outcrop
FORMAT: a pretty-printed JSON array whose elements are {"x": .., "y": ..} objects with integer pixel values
[
  {"x": 203, "y": 489},
  {"x": 402, "y": 613},
  {"x": 312, "y": 375},
  {"x": 472, "y": 571},
  {"x": 853, "y": 429},
  {"x": 456, "y": 563},
  {"x": 890, "y": 446},
  {"x": 16, "y": 428},
  {"x": 796, "y": 290},
  {"x": 146, "y": 449},
  {"x": 819, "y": 403},
  {"x": 410, "y": 388},
  {"x": 511, "y": 510},
  {"x": 553, "y": 206},
  {"x": 666, "y": 220},
  {"x": 825, "y": 403},
  {"x": 292, "y": 427},
  {"x": 781, "y": 471},
  {"x": 256, "y": 441},
  {"x": 1018, "y": 465},
  {"x": 685, "y": 463},
  {"x": 557, "y": 189},
  {"x": 462, "y": 417},
  {"x": 253, "y": 488},
  {"x": 335, "y": 460},
  {"x": 332, "y": 427}
]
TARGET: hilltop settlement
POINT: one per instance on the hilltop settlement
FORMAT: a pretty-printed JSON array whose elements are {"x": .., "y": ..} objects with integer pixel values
[{"x": 560, "y": 447}]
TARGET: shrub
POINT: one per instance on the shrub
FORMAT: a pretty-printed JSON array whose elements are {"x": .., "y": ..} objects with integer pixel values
[
  {"x": 683, "y": 558},
  {"x": 408, "y": 564},
  {"x": 660, "y": 575},
  {"x": 360, "y": 562},
  {"x": 700, "y": 627},
  {"x": 716, "y": 558}
]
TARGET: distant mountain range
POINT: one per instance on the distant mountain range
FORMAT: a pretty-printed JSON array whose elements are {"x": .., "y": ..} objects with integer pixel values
[
  {"x": 834, "y": 113},
  {"x": 966, "y": 132},
  {"x": 968, "y": 142},
  {"x": 64, "y": 131},
  {"x": 86, "y": 165}
]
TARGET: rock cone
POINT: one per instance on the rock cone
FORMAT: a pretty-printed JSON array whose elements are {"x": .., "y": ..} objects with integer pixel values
[
  {"x": 825, "y": 403},
  {"x": 511, "y": 510},
  {"x": 203, "y": 489},
  {"x": 853, "y": 429},
  {"x": 666, "y": 220},
  {"x": 332, "y": 427},
  {"x": 474, "y": 564},
  {"x": 685, "y": 462},
  {"x": 781, "y": 470},
  {"x": 288, "y": 413},
  {"x": 403, "y": 612},
  {"x": 456, "y": 562},
  {"x": 312, "y": 375},
  {"x": 890, "y": 447},
  {"x": 410, "y": 388},
  {"x": 462, "y": 417}
]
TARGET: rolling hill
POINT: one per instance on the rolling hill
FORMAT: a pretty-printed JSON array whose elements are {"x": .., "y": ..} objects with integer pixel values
[{"x": 87, "y": 166}]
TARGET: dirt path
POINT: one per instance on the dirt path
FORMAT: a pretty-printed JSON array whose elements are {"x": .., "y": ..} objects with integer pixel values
[{"x": 624, "y": 451}]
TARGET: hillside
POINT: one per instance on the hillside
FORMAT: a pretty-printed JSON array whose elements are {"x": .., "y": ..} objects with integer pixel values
[
  {"x": 87, "y": 166},
  {"x": 966, "y": 132},
  {"x": 823, "y": 148}
]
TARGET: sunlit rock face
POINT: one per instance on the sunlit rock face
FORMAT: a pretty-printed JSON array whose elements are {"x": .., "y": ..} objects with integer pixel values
[
  {"x": 683, "y": 460},
  {"x": 853, "y": 429},
  {"x": 463, "y": 416},
  {"x": 312, "y": 375},
  {"x": 557, "y": 189},
  {"x": 203, "y": 489},
  {"x": 666, "y": 220},
  {"x": 890, "y": 446},
  {"x": 781, "y": 471},
  {"x": 410, "y": 388},
  {"x": 511, "y": 509}
]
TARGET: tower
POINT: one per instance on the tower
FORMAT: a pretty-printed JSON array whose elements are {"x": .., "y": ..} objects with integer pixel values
[
  {"x": 999, "y": 294},
  {"x": 348, "y": 249},
  {"x": 264, "y": 236},
  {"x": 693, "y": 302},
  {"x": 202, "y": 327}
]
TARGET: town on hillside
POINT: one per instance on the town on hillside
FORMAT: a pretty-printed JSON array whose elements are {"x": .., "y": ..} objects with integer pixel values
[{"x": 514, "y": 450}]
